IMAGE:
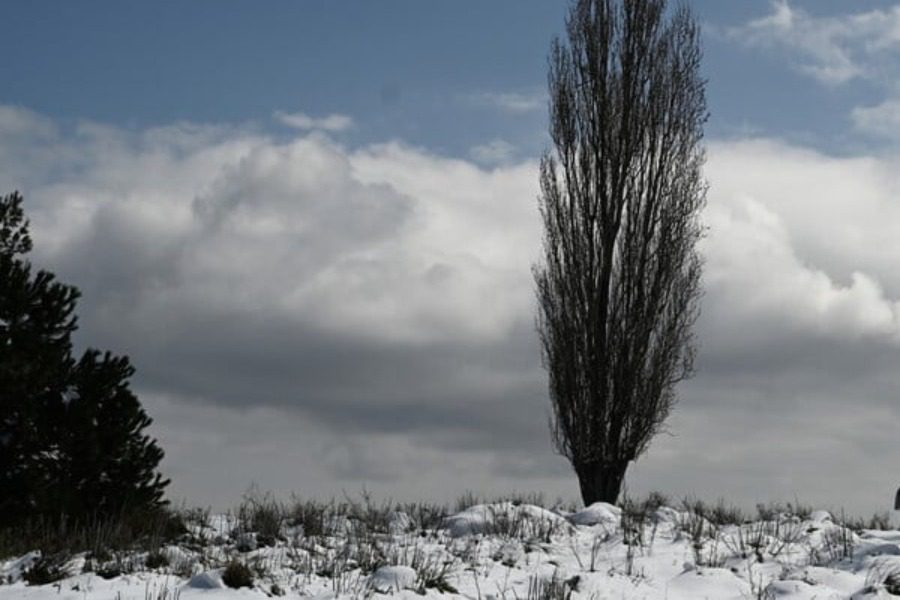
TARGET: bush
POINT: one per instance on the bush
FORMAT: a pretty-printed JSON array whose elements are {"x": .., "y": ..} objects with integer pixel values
[
  {"x": 110, "y": 571},
  {"x": 237, "y": 575},
  {"x": 132, "y": 530},
  {"x": 156, "y": 560},
  {"x": 311, "y": 515},
  {"x": 424, "y": 516},
  {"x": 262, "y": 515},
  {"x": 47, "y": 569}
]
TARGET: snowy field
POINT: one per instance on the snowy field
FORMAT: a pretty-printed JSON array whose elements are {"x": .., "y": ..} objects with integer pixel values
[{"x": 499, "y": 551}]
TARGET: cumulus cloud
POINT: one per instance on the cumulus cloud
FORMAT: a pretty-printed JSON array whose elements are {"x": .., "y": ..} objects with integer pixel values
[
  {"x": 368, "y": 290},
  {"x": 322, "y": 315},
  {"x": 303, "y": 121},
  {"x": 834, "y": 49}
]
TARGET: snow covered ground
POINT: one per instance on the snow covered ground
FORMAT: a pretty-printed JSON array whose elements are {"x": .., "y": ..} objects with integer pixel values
[{"x": 500, "y": 551}]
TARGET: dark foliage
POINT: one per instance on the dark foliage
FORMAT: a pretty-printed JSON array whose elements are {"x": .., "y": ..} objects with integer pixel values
[
  {"x": 237, "y": 575},
  {"x": 156, "y": 560},
  {"x": 36, "y": 322},
  {"x": 619, "y": 285},
  {"x": 143, "y": 529},
  {"x": 47, "y": 569},
  {"x": 107, "y": 463},
  {"x": 71, "y": 441}
]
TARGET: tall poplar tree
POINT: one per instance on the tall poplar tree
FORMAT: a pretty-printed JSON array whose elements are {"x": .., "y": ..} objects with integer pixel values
[{"x": 619, "y": 284}]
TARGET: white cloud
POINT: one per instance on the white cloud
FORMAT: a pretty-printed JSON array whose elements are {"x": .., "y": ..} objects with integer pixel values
[
  {"x": 881, "y": 120},
  {"x": 800, "y": 247},
  {"x": 510, "y": 102},
  {"x": 834, "y": 49},
  {"x": 756, "y": 276},
  {"x": 385, "y": 241},
  {"x": 494, "y": 152},
  {"x": 386, "y": 292},
  {"x": 836, "y": 215},
  {"x": 15, "y": 120},
  {"x": 304, "y": 122}
]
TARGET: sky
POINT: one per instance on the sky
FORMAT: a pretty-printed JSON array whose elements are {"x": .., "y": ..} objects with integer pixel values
[{"x": 311, "y": 226}]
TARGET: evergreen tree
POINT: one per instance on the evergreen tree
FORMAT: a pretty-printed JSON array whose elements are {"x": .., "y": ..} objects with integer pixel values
[
  {"x": 71, "y": 440},
  {"x": 36, "y": 322},
  {"x": 108, "y": 464}
]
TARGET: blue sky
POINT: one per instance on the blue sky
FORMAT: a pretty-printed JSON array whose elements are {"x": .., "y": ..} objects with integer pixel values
[
  {"x": 312, "y": 224},
  {"x": 408, "y": 70}
]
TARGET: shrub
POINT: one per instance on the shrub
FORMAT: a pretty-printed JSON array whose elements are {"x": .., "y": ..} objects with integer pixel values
[
  {"x": 156, "y": 560},
  {"x": 370, "y": 517},
  {"x": 237, "y": 575},
  {"x": 726, "y": 514},
  {"x": 466, "y": 500},
  {"x": 47, "y": 569},
  {"x": 424, "y": 516},
  {"x": 262, "y": 515},
  {"x": 129, "y": 530},
  {"x": 312, "y": 515},
  {"x": 110, "y": 571}
]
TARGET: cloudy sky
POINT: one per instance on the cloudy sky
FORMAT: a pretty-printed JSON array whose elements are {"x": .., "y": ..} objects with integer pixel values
[{"x": 311, "y": 227}]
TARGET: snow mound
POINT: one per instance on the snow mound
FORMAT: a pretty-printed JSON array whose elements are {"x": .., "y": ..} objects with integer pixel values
[
  {"x": 504, "y": 517},
  {"x": 665, "y": 514},
  {"x": 393, "y": 579},
  {"x": 597, "y": 513},
  {"x": 820, "y": 516},
  {"x": 176, "y": 555},
  {"x": 879, "y": 550},
  {"x": 509, "y": 553},
  {"x": 796, "y": 590},
  {"x": 207, "y": 580},
  {"x": 12, "y": 570}
]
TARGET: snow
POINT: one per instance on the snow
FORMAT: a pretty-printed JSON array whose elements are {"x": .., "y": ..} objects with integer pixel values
[
  {"x": 507, "y": 551},
  {"x": 597, "y": 513},
  {"x": 484, "y": 518},
  {"x": 207, "y": 580},
  {"x": 820, "y": 516},
  {"x": 15, "y": 568},
  {"x": 399, "y": 522},
  {"x": 393, "y": 579}
]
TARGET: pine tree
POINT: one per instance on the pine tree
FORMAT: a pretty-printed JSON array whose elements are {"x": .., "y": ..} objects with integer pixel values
[
  {"x": 108, "y": 464},
  {"x": 36, "y": 322},
  {"x": 71, "y": 432}
]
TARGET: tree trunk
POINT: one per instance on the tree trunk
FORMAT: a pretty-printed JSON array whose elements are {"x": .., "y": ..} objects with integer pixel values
[{"x": 601, "y": 481}]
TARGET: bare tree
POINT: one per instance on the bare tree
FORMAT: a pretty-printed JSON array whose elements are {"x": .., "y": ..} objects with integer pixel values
[{"x": 619, "y": 285}]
